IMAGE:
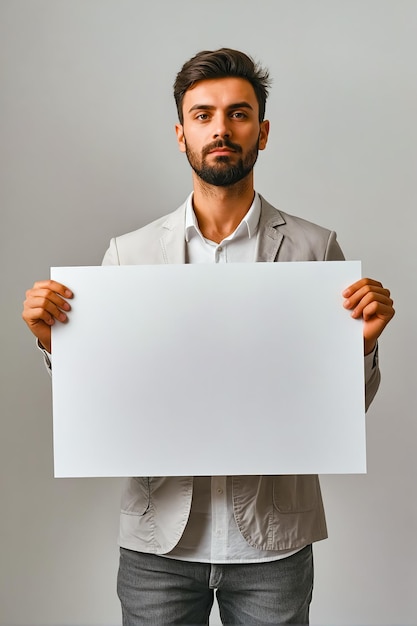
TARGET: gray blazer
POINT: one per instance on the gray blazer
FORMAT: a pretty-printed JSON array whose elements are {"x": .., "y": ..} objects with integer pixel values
[{"x": 272, "y": 512}]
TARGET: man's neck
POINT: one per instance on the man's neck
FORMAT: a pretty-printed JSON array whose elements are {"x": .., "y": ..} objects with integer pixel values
[{"x": 219, "y": 210}]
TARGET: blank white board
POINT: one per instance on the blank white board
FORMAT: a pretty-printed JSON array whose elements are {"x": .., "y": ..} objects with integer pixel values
[{"x": 208, "y": 370}]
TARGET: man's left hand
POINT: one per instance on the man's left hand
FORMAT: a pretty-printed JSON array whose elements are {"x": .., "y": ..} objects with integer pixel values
[{"x": 369, "y": 300}]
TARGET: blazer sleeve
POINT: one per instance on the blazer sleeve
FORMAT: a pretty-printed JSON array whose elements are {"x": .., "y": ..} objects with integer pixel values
[
  {"x": 372, "y": 377},
  {"x": 371, "y": 364}
]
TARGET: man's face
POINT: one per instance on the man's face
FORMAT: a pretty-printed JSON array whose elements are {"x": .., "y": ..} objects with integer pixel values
[{"x": 221, "y": 133}]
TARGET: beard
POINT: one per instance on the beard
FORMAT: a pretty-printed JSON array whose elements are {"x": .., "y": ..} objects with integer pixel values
[{"x": 222, "y": 173}]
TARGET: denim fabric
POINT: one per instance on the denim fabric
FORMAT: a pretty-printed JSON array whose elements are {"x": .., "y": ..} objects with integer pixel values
[{"x": 154, "y": 590}]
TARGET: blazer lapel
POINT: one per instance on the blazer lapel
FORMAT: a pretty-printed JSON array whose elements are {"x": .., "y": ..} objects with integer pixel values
[{"x": 270, "y": 238}]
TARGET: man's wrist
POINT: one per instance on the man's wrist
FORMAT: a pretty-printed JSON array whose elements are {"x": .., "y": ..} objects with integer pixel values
[{"x": 369, "y": 347}]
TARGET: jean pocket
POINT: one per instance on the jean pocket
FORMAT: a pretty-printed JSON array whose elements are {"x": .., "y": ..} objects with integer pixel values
[
  {"x": 295, "y": 494},
  {"x": 136, "y": 497}
]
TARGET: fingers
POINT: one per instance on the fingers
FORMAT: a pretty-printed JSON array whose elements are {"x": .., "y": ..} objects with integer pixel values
[
  {"x": 364, "y": 292},
  {"x": 368, "y": 303},
  {"x": 45, "y": 304},
  {"x": 44, "y": 301},
  {"x": 359, "y": 284},
  {"x": 369, "y": 300},
  {"x": 374, "y": 309},
  {"x": 52, "y": 285},
  {"x": 49, "y": 302}
]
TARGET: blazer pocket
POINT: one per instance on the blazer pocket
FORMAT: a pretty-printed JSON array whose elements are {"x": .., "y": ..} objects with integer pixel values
[
  {"x": 295, "y": 494},
  {"x": 136, "y": 498}
]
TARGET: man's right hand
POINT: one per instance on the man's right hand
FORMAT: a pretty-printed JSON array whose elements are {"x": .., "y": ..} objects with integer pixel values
[{"x": 45, "y": 304}]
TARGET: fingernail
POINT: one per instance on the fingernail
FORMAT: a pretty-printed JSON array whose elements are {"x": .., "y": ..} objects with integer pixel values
[{"x": 68, "y": 293}]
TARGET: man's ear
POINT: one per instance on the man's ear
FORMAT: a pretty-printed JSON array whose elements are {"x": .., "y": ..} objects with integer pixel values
[
  {"x": 179, "y": 130},
  {"x": 263, "y": 135}
]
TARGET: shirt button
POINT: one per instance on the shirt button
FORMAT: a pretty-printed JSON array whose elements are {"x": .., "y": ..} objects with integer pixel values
[
  {"x": 219, "y": 249},
  {"x": 219, "y": 490}
]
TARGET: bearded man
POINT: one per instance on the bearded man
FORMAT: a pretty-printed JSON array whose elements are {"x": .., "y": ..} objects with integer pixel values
[{"x": 247, "y": 537}]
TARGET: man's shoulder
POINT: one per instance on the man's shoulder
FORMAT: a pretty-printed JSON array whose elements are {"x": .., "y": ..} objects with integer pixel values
[
  {"x": 160, "y": 241},
  {"x": 286, "y": 237},
  {"x": 157, "y": 227},
  {"x": 276, "y": 218}
]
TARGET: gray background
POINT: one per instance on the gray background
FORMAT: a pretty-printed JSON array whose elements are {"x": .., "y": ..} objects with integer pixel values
[{"x": 88, "y": 152}]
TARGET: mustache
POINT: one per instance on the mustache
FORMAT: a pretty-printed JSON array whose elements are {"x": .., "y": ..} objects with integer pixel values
[{"x": 221, "y": 143}]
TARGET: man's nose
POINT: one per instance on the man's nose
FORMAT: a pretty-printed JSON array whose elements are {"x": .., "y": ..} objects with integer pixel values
[{"x": 221, "y": 127}]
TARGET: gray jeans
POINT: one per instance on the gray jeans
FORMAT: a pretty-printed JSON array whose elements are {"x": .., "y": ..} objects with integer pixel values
[{"x": 158, "y": 591}]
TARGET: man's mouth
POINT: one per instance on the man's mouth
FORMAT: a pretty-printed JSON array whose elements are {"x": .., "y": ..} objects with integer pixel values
[
  {"x": 221, "y": 151},
  {"x": 221, "y": 148}
]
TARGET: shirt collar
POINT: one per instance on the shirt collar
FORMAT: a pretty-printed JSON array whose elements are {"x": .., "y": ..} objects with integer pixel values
[{"x": 248, "y": 227}]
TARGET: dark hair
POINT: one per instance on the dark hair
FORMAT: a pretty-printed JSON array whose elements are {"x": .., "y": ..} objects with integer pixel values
[{"x": 222, "y": 64}]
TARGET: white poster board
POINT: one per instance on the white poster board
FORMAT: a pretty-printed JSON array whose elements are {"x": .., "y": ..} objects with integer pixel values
[{"x": 208, "y": 370}]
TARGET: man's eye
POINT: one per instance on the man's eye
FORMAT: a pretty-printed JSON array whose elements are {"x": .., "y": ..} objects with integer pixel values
[
  {"x": 238, "y": 115},
  {"x": 202, "y": 116}
]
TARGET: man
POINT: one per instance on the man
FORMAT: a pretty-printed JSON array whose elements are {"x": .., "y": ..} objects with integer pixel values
[{"x": 249, "y": 537}]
